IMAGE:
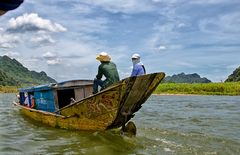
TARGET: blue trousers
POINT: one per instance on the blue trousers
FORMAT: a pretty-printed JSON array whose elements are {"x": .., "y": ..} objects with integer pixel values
[{"x": 97, "y": 83}]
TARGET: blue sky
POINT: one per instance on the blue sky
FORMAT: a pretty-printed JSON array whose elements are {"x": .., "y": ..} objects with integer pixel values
[{"x": 63, "y": 37}]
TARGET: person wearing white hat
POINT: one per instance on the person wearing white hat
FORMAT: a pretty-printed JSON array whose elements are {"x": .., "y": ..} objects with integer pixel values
[
  {"x": 107, "y": 69},
  {"x": 138, "y": 67}
]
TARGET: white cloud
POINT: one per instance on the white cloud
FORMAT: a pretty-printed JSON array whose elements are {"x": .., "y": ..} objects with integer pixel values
[
  {"x": 43, "y": 39},
  {"x": 168, "y": 1},
  {"x": 54, "y": 61},
  {"x": 42, "y": 31},
  {"x": 82, "y": 8},
  {"x": 185, "y": 64},
  {"x": 32, "y": 22},
  {"x": 116, "y": 6},
  {"x": 165, "y": 37},
  {"x": 152, "y": 25},
  {"x": 52, "y": 58},
  {"x": 204, "y": 2},
  {"x": 12, "y": 54},
  {"x": 162, "y": 47},
  {"x": 8, "y": 41},
  {"x": 49, "y": 55},
  {"x": 227, "y": 23},
  {"x": 181, "y": 25},
  {"x": 93, "y": 25},
  {"x": 230, "y": 22}
]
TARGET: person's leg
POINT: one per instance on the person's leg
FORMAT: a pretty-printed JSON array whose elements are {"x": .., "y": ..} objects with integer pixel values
[{"x": 97, "y": 83}]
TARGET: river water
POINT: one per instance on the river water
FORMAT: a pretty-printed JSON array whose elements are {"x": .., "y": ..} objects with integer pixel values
[{"x": 200, "y": 125}]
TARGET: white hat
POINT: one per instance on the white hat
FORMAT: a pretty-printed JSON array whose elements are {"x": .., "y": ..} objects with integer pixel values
[
  {"x": 103, "y": 56},
  {"x": 135, "y": 56}
]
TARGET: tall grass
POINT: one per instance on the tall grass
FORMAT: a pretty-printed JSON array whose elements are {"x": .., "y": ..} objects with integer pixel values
[
  {"x": 8, "y": 89},
  {"x": 229, "y": 88}
]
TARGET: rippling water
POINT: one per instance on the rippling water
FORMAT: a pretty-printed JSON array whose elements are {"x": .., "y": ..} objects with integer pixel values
[{"x": 166, "y": 125}]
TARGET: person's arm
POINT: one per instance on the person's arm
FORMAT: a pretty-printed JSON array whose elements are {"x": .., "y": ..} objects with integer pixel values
[
  {"x": 134, "y": 71},
  {"x": 100, "y": 72}
]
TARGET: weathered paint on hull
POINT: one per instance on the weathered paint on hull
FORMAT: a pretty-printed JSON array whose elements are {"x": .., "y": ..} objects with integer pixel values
[
  {"x": 60, "y": 121},
  {"x": 110, "y": 108},
  {"x": 135, "y": 91}
]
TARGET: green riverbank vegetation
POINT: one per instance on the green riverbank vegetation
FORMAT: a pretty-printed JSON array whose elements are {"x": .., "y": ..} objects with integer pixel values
[
  {"x": 8, "y": 89},
  {"x": 227, "y": 88}
]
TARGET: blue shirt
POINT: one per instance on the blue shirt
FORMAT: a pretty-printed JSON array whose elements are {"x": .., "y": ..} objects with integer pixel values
[{"x": 138, "y": 69}]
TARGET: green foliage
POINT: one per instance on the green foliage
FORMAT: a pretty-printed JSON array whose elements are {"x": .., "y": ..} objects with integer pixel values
[
  {"x": 235, "y": 76},
  {"x": 6, "y": 80},
  {"x": 13, "y": 73},
  {"x": 186, "y": 78},
  {"x": 229, "y": 88}
]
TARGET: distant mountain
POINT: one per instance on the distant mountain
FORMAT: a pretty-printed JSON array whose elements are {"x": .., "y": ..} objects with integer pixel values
[
  {"x": 13, "y": 73},
  {"x": 186, "y": 78},
  {"x": 235, "y": 76}
]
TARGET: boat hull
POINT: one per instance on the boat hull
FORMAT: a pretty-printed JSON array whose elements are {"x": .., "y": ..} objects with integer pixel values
[
  {"x": 110, "y": 108},
  {"x": 60, "y": 121}
]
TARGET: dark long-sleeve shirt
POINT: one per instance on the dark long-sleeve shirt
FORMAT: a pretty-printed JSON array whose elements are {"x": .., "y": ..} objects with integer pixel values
[{"x": 109, "y": 70}]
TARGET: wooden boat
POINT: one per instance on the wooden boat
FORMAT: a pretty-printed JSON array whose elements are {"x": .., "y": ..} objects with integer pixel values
[{"x": 109, "y": 108}]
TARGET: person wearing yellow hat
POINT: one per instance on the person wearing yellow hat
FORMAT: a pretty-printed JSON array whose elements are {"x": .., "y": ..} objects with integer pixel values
[
  {"x": 107, "y": 69},
  {"x": 138, "y": 67}
]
